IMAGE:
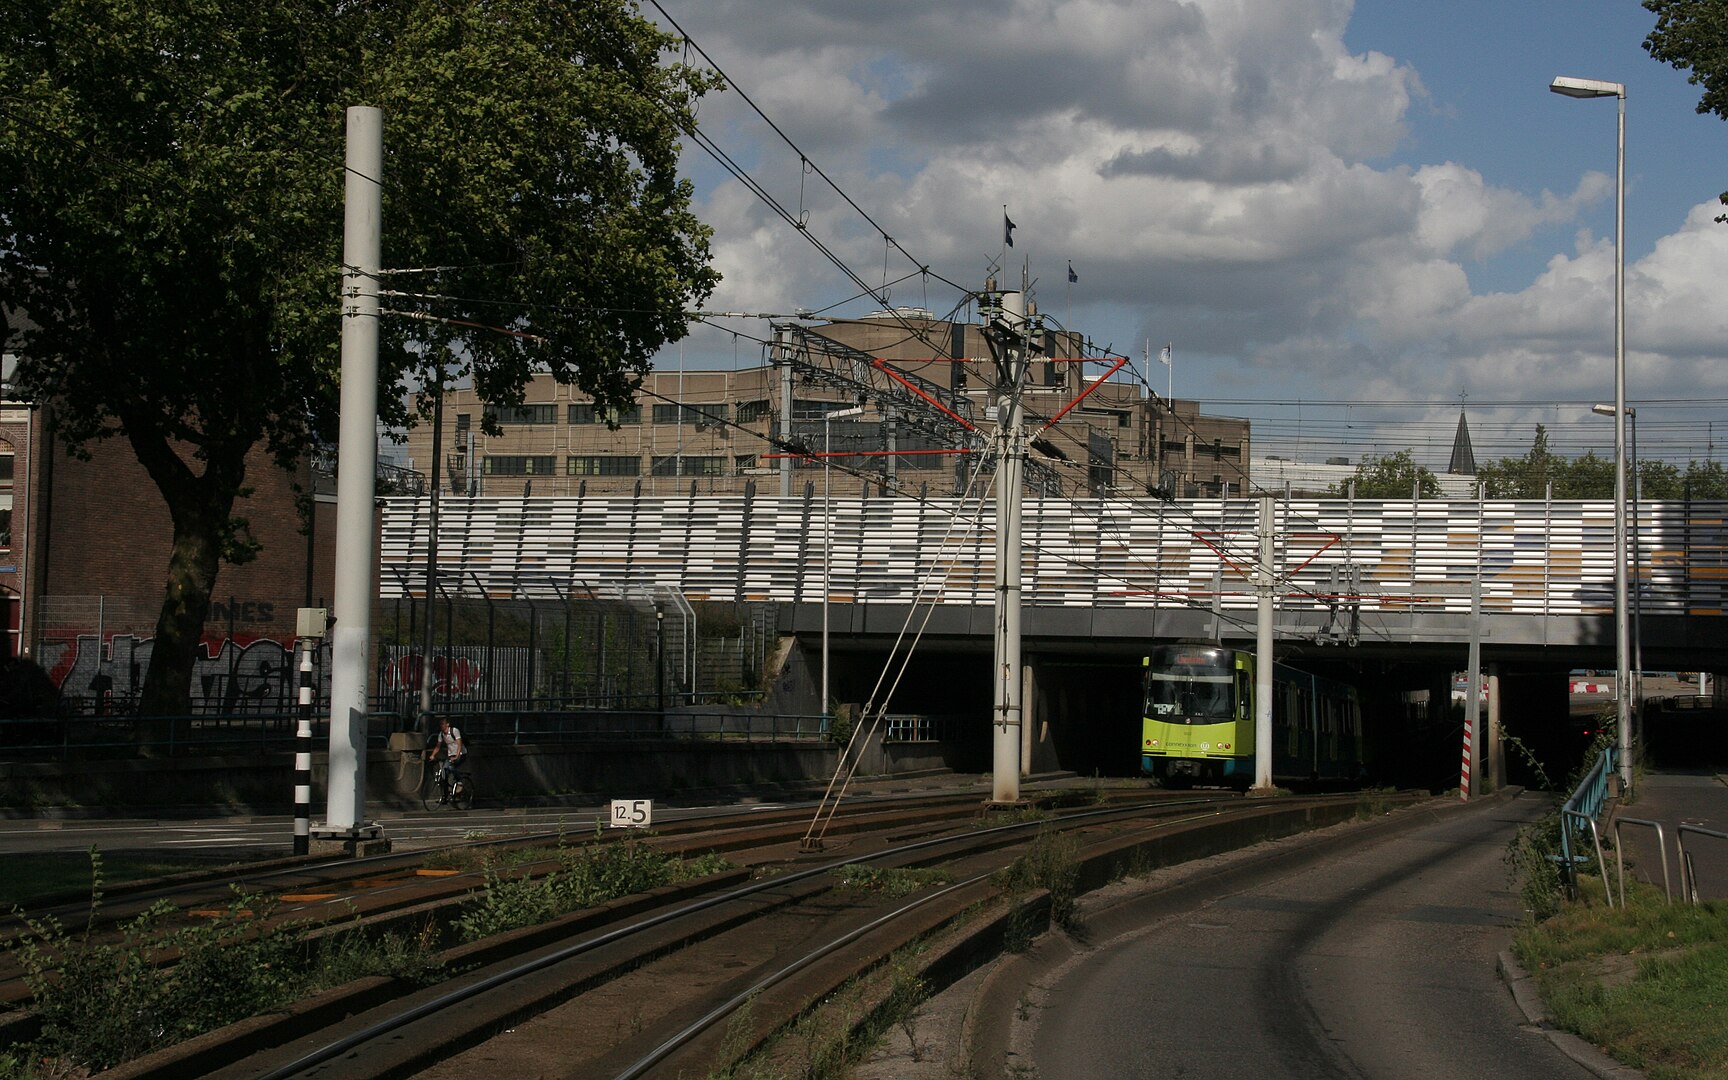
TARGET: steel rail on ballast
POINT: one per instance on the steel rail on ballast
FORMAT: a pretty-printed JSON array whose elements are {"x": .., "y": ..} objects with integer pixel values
[
  {"x": 671, "y": 1046},
  {"x": 456, "y": 997}
]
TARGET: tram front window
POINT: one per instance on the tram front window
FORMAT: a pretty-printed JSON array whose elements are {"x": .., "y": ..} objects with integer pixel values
[{"x": 1199, "y": 699}]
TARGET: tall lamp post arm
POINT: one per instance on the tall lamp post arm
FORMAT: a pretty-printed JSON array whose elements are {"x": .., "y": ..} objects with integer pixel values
[{"x": 1597, "y": 88}]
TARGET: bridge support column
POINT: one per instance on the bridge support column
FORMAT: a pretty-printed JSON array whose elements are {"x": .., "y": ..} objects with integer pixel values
[{"x": 1494, "y": 761}]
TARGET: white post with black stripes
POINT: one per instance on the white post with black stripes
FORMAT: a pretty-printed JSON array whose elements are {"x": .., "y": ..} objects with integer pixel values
[{"x": 303, "y": 753}]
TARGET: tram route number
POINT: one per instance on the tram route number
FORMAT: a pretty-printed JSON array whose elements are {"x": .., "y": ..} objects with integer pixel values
[{"x": 632, "y": 813}]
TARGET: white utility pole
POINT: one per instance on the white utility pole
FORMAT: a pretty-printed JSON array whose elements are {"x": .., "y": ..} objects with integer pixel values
[
  {"x": 1007, "y": 334},
  {"x": 828, "y": 533},
  {"x": 357, "y": 463},
  {"x": 1263, "y": 658},
  {"x": 783, "y": 355}
]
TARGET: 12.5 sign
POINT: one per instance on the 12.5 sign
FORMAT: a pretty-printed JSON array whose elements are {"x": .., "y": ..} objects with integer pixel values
[{"x": 632, "y": 813}]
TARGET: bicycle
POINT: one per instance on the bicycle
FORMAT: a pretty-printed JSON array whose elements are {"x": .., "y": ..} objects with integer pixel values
[{"x": 434, "y": 792}]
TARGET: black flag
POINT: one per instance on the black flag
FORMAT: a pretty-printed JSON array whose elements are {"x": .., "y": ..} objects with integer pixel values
[
  {"x": 1072, "y": 276},
  {"x": 1007, "y": 230}
]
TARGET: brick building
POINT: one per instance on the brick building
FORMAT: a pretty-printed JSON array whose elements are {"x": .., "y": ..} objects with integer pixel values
[
  {"x": 84, "y": 547},
  {"x": 926, "y": 390}
]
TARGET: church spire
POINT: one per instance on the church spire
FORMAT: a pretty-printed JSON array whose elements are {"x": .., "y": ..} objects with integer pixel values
[{"x": 1463, "y": 457}]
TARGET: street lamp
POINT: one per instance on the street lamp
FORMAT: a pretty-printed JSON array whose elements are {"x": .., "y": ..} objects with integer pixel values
[
  {"x": 828, "y": 532},
  {"x": 1596, "y": 88},
  {"x": 1637, "y": 492}
]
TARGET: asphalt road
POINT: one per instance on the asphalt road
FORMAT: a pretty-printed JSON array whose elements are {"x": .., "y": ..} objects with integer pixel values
[{"x": 1378, "y": 963}]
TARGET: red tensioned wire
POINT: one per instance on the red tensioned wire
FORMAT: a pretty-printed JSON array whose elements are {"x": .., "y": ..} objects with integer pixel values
[
  {"x": 882, "y": 365},
  {"x": 1330, "y": 538},
  {"x": 1100, "y": 382},
  {"x": 870, "y": 453}
]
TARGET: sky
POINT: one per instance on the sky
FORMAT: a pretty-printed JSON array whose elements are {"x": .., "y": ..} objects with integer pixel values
[{"x": 1349, "y": 221}]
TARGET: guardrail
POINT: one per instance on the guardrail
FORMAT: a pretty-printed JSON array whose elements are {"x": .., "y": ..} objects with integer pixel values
[
  {"x": 1585, "y": 805},
  {"x": 1688, "y": 876},
  {"x": 1661, "y": 845}
]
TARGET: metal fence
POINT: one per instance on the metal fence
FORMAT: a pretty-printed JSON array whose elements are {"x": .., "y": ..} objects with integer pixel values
[
  {"x": 649, "y": 651},
  {"x": 92, "y": 738}
]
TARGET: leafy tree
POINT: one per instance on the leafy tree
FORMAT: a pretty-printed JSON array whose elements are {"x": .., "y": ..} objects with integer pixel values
[
  {"x": 1521, "y": 478},
  {"x": 1693, "y": 35},
  {"x": 1587, "y": 477},
  {"x": 1660, "y": 480},
  {"x": 1705, "y": 480},
  {"x": 172, "y": 206},
  {"x": 1392, "y": 476}
]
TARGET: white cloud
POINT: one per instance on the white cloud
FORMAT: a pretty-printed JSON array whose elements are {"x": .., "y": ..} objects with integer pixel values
[{"x": 1219, "y": 171}]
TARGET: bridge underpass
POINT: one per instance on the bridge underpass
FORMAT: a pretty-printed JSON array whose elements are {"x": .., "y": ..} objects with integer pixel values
[
  {"x": 1083, "y": 685},
  {"x": 1394, "y": 589}
]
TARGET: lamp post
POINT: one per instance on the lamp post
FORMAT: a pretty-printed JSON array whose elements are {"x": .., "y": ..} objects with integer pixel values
[
  {"x": 828, "y": 532},
  {"x": 1596, "y": 88},
  {"x": 1635, "y": 490}
]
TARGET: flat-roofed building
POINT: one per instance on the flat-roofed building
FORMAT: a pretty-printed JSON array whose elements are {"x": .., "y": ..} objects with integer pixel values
[{"x": 927, "y": 389}]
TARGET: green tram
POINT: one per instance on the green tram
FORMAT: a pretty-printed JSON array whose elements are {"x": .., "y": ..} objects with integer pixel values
[{"x": 1197, "y": 724}]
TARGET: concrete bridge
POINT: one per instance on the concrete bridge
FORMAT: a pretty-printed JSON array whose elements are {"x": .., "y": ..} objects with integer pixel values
[
  {"x": 1380, "y": 590},
  {"x": 1373, "y": 577}
]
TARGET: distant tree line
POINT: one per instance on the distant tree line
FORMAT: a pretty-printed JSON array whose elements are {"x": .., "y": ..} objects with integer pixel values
[{"x": 1539, "y": 473}]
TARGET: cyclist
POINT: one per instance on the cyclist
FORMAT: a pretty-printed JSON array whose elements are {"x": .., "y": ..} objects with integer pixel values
[{"x": 448, "y": 742}]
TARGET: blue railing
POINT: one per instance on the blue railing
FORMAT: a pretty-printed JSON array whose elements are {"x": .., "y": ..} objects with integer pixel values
[{"x": 1584, "y": 808}]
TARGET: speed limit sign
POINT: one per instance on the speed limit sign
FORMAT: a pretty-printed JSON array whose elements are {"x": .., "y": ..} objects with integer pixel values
[{"x": 632, "y": 813}]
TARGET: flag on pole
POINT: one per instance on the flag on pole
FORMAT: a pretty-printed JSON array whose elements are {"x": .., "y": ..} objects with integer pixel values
[
  {"x": 1007, "y": 229},
  {"x": 1164, "y": 356},
  {"x": 1072, "y": 276}
]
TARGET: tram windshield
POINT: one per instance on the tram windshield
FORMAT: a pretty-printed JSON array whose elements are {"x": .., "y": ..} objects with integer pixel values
[{"x": 1190, "y": 684}]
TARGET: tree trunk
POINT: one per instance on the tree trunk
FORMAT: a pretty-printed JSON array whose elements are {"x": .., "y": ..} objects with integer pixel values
[
  {"x": 192, "y": 569},
  {"x": 201, "y": 506}
]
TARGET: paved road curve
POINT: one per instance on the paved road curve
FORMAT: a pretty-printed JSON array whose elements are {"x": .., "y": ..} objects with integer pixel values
[{"x": 1379, "y": 963}]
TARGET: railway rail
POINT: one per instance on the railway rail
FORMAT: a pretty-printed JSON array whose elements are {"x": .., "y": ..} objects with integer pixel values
[
  {"x": 686, "y": 979},
  {"x": 368, "y": 891}
]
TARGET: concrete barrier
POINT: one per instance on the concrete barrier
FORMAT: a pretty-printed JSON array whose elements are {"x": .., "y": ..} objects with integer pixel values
[{"x": 519, "y": 775}]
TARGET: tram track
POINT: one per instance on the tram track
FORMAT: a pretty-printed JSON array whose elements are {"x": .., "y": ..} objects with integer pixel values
[{"x": 656, "y": 981}]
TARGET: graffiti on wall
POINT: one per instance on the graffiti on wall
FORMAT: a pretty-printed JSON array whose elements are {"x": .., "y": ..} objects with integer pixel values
[
  {"x": 256, "y": 675},
  {"x": 452, "y": 676},
  {"x": 232, "y": 675}
]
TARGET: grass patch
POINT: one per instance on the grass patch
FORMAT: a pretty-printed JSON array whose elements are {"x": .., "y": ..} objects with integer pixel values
[
  {"x": 893, "y": 882},
  {"x": 585, "y": 877},
  {"x": 44, "y": 877},
  {"x": 104, "y": 1002},
  {"x": 1052, "y": 863},
  {"x": 1648, "y": 983}
]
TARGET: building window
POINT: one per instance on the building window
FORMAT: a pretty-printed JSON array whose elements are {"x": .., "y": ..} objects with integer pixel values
[
  {"x": 603, "y": 465},
  {"x": 686, "y": 465},
  {"x": 751, "y": 411},
  {"x": 688, "y": 413},
  {"x": 518, "y": 465},
  {"x": 586, "y": 412},
  {"x": 812, "y": 409},
  {"x": 7, "y": 462},
  {"x": 744, "y": 463},
  {"x": 521, "y": 414}
]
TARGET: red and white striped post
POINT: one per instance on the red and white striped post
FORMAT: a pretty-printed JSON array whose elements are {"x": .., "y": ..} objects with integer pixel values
[{"x": 1469, "y": 730}]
